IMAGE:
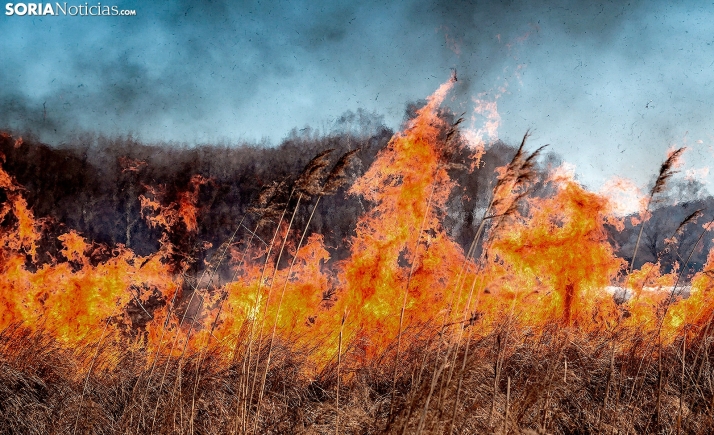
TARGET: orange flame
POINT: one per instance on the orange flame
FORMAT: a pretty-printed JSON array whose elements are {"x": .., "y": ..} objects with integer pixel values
[
  {"x": 547, "y": 261},
  {"x": 557, "y": 257}
]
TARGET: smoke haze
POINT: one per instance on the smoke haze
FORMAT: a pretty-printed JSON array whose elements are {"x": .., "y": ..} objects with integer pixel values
[{"x": 610, "y": 86}]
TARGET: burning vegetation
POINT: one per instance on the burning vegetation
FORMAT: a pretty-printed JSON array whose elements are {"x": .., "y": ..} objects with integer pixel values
[{"x": 392, "y": 283}]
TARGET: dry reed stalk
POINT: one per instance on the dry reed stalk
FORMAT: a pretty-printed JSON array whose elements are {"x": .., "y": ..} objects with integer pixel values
[
  {"x": 177, "y": 384},
  {"x": 470, "y": 251},
  {"x": 510, "y": 189},
  {"x": 467, "y": 319},
  {"x": 666, "y": 171},
  {"x": 405, "y": 297},
  {"x": 248, "y": 393},
  {"x": 243, "y": 400},
  {"x": 308, "y": 183},
  {"x": 680, "y": 229},
  {"x": 265, "y": 208},
  {"x": 546, "y": 403},
  {"x": 658, "y": 408},
  {"x": 265, "y": 313},
  {"x": 335, "y": 179},
  {"x": 145, "y": 393},
  {"x": 705, "y": 336},
  {"x": 499, "y": 361},
  {"x": 462, "y": 369},
  {"x": 681, "y": 385},
  {"x": 697, "y": 386},
  {"x": 436, "y": 375},
  {"x": 668, "y": 303},
  {"x": 438, "y": 366},
  {"x": 333, "y": 182},
  {"x": 89, "y": 372},
  {"x": 222, "y": 300},
  {"x": 432, "y": 386},
  {"x": 508, "y": 399},
  {"x": 446, "y": 317},
  {"x": 711, "y": 401},
  {"x": 520, "y": 173},
  {"x": 262, "y": 323},
  {"x": 565, "y": 370},
  {"x": 339, "y": 365},
  {"x": 203, "y": 348},
  {"x": 412, "y": 394},
  {"x": 610, "y": 374},
  {"x": 173, "y": 346}
]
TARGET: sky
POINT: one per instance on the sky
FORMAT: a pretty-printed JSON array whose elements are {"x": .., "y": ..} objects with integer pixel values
[{"x": 611, "y": 86}]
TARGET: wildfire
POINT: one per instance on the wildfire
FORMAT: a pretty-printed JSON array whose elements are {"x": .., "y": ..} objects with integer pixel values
[{"x": 543, "y": 260}]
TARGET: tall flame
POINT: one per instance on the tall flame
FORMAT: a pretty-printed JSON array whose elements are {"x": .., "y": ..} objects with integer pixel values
[{"x": 544, "y": 260}]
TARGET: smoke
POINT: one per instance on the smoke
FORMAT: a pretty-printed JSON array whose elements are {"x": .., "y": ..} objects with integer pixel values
[{"x": 606, "y": 84}]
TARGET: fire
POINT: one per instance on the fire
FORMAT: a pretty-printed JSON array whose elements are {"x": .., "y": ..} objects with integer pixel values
[
  {"x": 401, "y": 255},
  {"x": 184, "y": 210},
  {"x": 73, "y": 298},
  {"x": 557, "y": 259},
  {"x": 542, "y": 260}
]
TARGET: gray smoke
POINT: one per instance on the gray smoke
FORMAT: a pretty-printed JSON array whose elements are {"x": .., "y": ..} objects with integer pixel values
[{"x": 610, "y": 85}]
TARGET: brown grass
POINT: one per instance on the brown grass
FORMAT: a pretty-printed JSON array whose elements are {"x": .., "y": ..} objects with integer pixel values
[
  {"x": 41, "y": 388},
  {"x": 446, "y": 377}
]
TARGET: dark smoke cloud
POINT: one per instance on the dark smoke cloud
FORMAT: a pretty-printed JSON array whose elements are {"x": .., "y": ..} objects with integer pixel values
[{"x": 606, "y": 83}]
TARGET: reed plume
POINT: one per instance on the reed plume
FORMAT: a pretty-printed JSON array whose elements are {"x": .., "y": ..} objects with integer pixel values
[{"x": 666, "y": 171}]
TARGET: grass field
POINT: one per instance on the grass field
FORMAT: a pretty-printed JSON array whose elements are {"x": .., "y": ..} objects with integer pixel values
[{"x": 410, "y": 333}]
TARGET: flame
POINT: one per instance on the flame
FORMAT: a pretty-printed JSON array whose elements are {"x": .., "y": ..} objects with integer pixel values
[
  {"x": 488, "y": 109},
  {"x": 626, "y": 198},
  {"x": 542, "y": 260},
  {"x": 184, "y": 210},
  {"x": 71, "y": 298},
  {"x": 559, "y": 258},
  {"x": 400, "y": 246}
]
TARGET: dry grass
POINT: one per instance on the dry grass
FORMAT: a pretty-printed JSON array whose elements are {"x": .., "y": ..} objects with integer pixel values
[
  {"x": 558, "y": 383},
  {"x": 433, "y": 378}
]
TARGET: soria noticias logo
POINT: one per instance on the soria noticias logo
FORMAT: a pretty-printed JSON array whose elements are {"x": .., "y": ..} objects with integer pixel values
[{"x": 65, "y": 9}]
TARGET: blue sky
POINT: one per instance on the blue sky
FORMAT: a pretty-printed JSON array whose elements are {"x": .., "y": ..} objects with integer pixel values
[{"x": 610, "y": 85}]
